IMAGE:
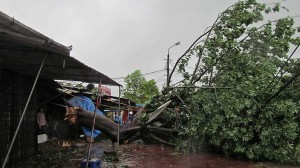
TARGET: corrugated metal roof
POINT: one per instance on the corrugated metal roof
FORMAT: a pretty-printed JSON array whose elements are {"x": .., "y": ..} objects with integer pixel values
[{"x": 22, "y": 50}]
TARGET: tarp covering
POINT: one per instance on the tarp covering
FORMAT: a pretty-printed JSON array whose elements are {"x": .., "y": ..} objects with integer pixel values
[{"x": 87, "y": 104}]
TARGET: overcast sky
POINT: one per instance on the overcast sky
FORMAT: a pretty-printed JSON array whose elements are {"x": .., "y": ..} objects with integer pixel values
[{"x": 116, "y": 37}]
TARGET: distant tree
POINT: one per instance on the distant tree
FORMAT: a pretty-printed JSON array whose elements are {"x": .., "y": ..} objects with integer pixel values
[{"x": 138, "y": 89}]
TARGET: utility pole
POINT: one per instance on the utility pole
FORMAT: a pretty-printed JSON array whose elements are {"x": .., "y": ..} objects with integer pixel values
[
  {"x": 168, "y": 63},
  {"x": 168, "y": 68}
]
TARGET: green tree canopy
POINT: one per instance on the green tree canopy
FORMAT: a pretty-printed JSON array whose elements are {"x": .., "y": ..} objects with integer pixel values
[
  {"x": 138, "y": 89},
  {"x": 252, "y": 58}
]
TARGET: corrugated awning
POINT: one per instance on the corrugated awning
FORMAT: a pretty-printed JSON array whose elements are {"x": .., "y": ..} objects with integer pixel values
[{"x": 22, "y": 50}]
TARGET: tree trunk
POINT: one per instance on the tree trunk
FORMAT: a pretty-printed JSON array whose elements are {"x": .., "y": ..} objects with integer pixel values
[
  {"x": 105, "y": 125},
  {"x": 110, "y": 128}
]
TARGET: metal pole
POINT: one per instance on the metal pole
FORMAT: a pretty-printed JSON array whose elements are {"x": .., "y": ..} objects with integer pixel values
[
  {"x": 129, "y": 109},
  {"x": 168, "y": 68},
  {"x": 168, "y": 63},
  {"x": 119, "y": 117},
  {"x": 93, "y": 125},
  {"x": 23, "y": 113}
]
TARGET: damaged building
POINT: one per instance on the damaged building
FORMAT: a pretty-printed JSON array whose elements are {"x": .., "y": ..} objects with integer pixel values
[{"x": 29, "y": 64}]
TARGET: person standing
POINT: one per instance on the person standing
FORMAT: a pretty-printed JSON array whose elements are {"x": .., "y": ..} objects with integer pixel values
[
  {"x": 130, "y": 117},
  {"x": 42, "y": 122}
]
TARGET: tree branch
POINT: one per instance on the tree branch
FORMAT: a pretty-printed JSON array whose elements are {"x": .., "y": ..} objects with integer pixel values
[
  {"x": 160, "y": 140},
  {"x": 283, "y": 87},
  {"x": 178, "y": 60},
  {"x": 200, "y": 54}
]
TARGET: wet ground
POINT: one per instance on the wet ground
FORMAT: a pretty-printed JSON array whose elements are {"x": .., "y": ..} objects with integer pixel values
[
  {"x": 163, "y": 156},
  {"x": 52, "y": 154}
]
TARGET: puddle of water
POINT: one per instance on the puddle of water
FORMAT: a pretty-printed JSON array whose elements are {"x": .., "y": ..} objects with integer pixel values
[{"x": 162, "y": 156}]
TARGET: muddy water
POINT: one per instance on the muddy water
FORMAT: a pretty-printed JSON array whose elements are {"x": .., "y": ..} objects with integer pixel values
[{"x": 161, "y": 156}]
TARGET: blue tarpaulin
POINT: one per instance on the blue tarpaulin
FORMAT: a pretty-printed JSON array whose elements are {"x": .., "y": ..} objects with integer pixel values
[{"x": 87, "y": 104}]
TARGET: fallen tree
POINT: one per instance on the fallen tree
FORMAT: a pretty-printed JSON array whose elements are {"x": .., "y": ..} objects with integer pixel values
[
  {"x": 257, "y": 117},
  {"x": 127, "y": 133}
]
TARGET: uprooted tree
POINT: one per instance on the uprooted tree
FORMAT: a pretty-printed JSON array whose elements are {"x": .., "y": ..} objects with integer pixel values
[
  {"x": 140, "y": 127},
  {"x": 247, "y": 103},
  {"x": 241, "y": 98}
]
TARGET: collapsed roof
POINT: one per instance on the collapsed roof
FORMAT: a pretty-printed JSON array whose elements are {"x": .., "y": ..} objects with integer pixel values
[{"x": 23, "y": 49}]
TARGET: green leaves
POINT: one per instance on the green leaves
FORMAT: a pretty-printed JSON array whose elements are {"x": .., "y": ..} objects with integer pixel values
[
  {"x": 276, "y": 7},
  {"x": 138, "y": 89},
  {"x": 245, "y": 52}
]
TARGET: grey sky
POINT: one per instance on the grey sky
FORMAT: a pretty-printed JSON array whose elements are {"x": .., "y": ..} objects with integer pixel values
[{"x": 117, "y": 37}]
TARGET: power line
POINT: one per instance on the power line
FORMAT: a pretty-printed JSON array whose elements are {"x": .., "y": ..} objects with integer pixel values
[
  {"x": 185, "y": 66},
  {"x": 142, "y": 74}
]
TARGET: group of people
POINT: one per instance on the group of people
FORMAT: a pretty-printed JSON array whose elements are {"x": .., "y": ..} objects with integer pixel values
[{"x": 127, "y": 117}]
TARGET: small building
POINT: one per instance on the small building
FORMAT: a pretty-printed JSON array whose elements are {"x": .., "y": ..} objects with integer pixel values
[{"x": 29, "y": 64}]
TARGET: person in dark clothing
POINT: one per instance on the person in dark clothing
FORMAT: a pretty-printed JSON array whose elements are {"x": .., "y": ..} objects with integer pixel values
[{"x": 130, "y": 117}]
